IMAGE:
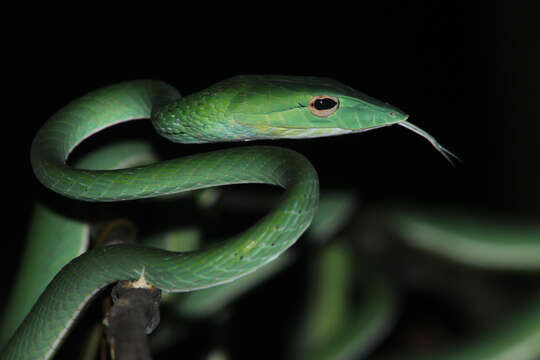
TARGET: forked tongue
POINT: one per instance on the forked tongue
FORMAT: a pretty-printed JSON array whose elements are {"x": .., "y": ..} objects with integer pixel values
[{"x": 448, "y": 155}]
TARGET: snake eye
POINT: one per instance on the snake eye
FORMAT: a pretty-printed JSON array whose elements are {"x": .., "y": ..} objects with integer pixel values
[{"x": 323, "y": 105}]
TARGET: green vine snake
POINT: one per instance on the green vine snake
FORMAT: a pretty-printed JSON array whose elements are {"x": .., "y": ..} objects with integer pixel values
[{"x": 238, "y": 109}]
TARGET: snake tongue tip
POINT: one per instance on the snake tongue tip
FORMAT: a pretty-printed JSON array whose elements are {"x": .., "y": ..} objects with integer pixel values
[{"x": 448, "y": 155}]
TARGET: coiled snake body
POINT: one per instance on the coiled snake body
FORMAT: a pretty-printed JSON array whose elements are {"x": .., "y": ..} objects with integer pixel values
[{"x": 240, "y": 108}]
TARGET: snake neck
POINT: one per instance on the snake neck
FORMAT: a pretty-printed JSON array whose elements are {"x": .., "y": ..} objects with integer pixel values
[{"x": 199, "y": 118}]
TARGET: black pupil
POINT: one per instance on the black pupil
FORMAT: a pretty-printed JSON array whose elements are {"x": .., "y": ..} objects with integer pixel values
[{"x": 324, "y": 104}]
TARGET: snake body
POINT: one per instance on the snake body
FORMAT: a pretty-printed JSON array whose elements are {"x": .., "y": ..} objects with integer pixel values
[{"x": 240, "y": 108}]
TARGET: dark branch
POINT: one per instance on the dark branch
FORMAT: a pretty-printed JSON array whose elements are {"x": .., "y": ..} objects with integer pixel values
[{"x": 135, "y": 314}]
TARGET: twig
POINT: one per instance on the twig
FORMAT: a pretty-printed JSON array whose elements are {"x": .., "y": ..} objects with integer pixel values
[{"x": 134, "y": 315}]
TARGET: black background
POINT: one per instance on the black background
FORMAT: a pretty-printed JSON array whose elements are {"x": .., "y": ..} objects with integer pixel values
[{"x": 467, "y": 74}]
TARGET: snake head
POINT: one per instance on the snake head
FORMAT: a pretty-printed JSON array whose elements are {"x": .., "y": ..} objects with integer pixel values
[
  {"x": 300, "y": 107},
  {"x": 251, "y": 107}
]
